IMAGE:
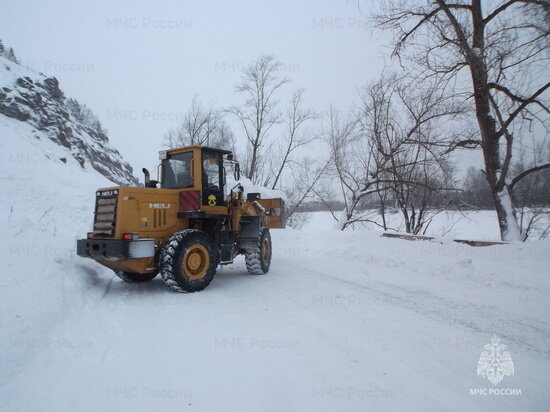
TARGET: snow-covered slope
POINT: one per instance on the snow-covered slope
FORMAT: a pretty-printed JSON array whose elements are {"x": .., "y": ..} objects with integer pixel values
[
  {"x": 344, "y": 321},
  {"x": 44, "y": 206},
  {"x": 36, "y": 100}
]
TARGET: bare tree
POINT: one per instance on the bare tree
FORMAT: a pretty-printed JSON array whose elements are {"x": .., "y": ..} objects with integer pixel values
[
  {"x": 504, "y": 52},
  {"x": 258, "y": 114},
  {"x": 405, "y": 126},
  {"x": 394, "y": 150},
  {"x": 203, "y": 126},
  {"x": 353, "y": 164},
  {"x": 295, "y": 134},
  {"x": 304, "y": 186}
]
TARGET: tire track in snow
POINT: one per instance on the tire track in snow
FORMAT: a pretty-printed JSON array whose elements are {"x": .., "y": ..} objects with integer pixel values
[{"x": 482, "y": 319}]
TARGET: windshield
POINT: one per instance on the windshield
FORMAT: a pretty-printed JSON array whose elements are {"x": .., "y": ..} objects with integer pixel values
[{"x": 177, "y": 171}]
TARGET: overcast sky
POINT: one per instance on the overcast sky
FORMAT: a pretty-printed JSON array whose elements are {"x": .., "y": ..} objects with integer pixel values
[{"x": 139, "y": 64}]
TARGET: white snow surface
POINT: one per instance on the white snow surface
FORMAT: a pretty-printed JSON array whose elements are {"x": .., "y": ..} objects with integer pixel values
[
  {"x": 344, "y": 321},
  {"x": 250, "y": 187}
]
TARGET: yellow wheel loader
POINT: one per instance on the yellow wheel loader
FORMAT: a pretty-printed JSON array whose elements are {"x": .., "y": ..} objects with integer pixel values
[{"x": 184, "y": 224}]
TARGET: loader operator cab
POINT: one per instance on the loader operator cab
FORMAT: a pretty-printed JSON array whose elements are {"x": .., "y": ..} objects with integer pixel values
[{"x": 181, "y": 170}]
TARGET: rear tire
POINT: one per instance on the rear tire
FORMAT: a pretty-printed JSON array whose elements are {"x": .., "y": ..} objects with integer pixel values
[
  {"x": 188, "y": 261},
  {"x": 135, "y": 277},
  {"x": 258, "y": 259}
]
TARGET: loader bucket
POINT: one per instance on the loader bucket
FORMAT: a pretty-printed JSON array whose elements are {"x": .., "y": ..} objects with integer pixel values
[{"x": 275, "y": 213}]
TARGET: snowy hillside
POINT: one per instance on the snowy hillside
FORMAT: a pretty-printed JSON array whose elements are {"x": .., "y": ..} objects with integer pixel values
[
  {"x": 344, "y": 321},
  {"x": 36, "y": 100}
]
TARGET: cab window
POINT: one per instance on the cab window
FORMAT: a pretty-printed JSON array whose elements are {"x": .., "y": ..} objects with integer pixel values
[
  {"x": 212, "y": 179},
  {"x": 177, "y": 171},
  {"x": 211, "y": 170}
]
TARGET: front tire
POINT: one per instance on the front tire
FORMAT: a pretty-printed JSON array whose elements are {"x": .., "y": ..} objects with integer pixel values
[
  {"x": 134, "y": 277},
  {"x": 188, "y": 261},
  {"x": 258, "y": 259}
]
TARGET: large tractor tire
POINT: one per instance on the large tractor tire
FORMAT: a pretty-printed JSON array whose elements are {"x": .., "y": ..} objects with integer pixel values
[
  {"x": 135, "y": 277},
  {"x": 258, "y": 259},
  {"x": 188, "y": 261}
]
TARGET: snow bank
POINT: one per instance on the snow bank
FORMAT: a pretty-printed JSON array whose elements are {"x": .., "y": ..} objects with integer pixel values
[
  {"x": 47, "y": 202},
  {"x": 474, "y": 225}
]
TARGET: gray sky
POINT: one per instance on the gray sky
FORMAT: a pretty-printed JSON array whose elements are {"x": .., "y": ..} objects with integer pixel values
[{"x": 139, "y": 64}]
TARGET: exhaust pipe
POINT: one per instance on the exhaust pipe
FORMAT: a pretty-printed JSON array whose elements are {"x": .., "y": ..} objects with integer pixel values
[
  {"x": 147, "y": 177},
  {"x": 148, "y": 181}
]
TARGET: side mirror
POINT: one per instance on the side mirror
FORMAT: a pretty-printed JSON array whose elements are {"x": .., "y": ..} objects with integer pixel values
[{"x": 237, "y": 172}]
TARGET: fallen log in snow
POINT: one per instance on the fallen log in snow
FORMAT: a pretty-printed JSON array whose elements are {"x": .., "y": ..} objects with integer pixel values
[{"x": 408, "y": 236}]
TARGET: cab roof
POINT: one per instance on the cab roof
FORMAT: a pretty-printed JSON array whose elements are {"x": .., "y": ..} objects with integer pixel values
[{"x": 186, "y": 148}]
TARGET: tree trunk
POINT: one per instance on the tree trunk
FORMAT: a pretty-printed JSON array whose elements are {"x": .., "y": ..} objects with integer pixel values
[
  {"x": 509, "y": 229},
  {"x": 252, "y": 170}
]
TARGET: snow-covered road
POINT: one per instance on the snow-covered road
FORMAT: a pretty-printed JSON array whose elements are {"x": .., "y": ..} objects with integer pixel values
[{"x": 344, "y": 321}]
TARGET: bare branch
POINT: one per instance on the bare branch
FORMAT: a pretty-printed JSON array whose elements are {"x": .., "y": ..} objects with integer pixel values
[
  {"x": 527, "y": 172},
  {"x": 509, "y": 3},
  {"x": 527, "y": 101}
]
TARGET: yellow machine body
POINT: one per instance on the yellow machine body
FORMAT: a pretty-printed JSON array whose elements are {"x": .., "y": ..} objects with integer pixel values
[{"x": 151, "y": 214}]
